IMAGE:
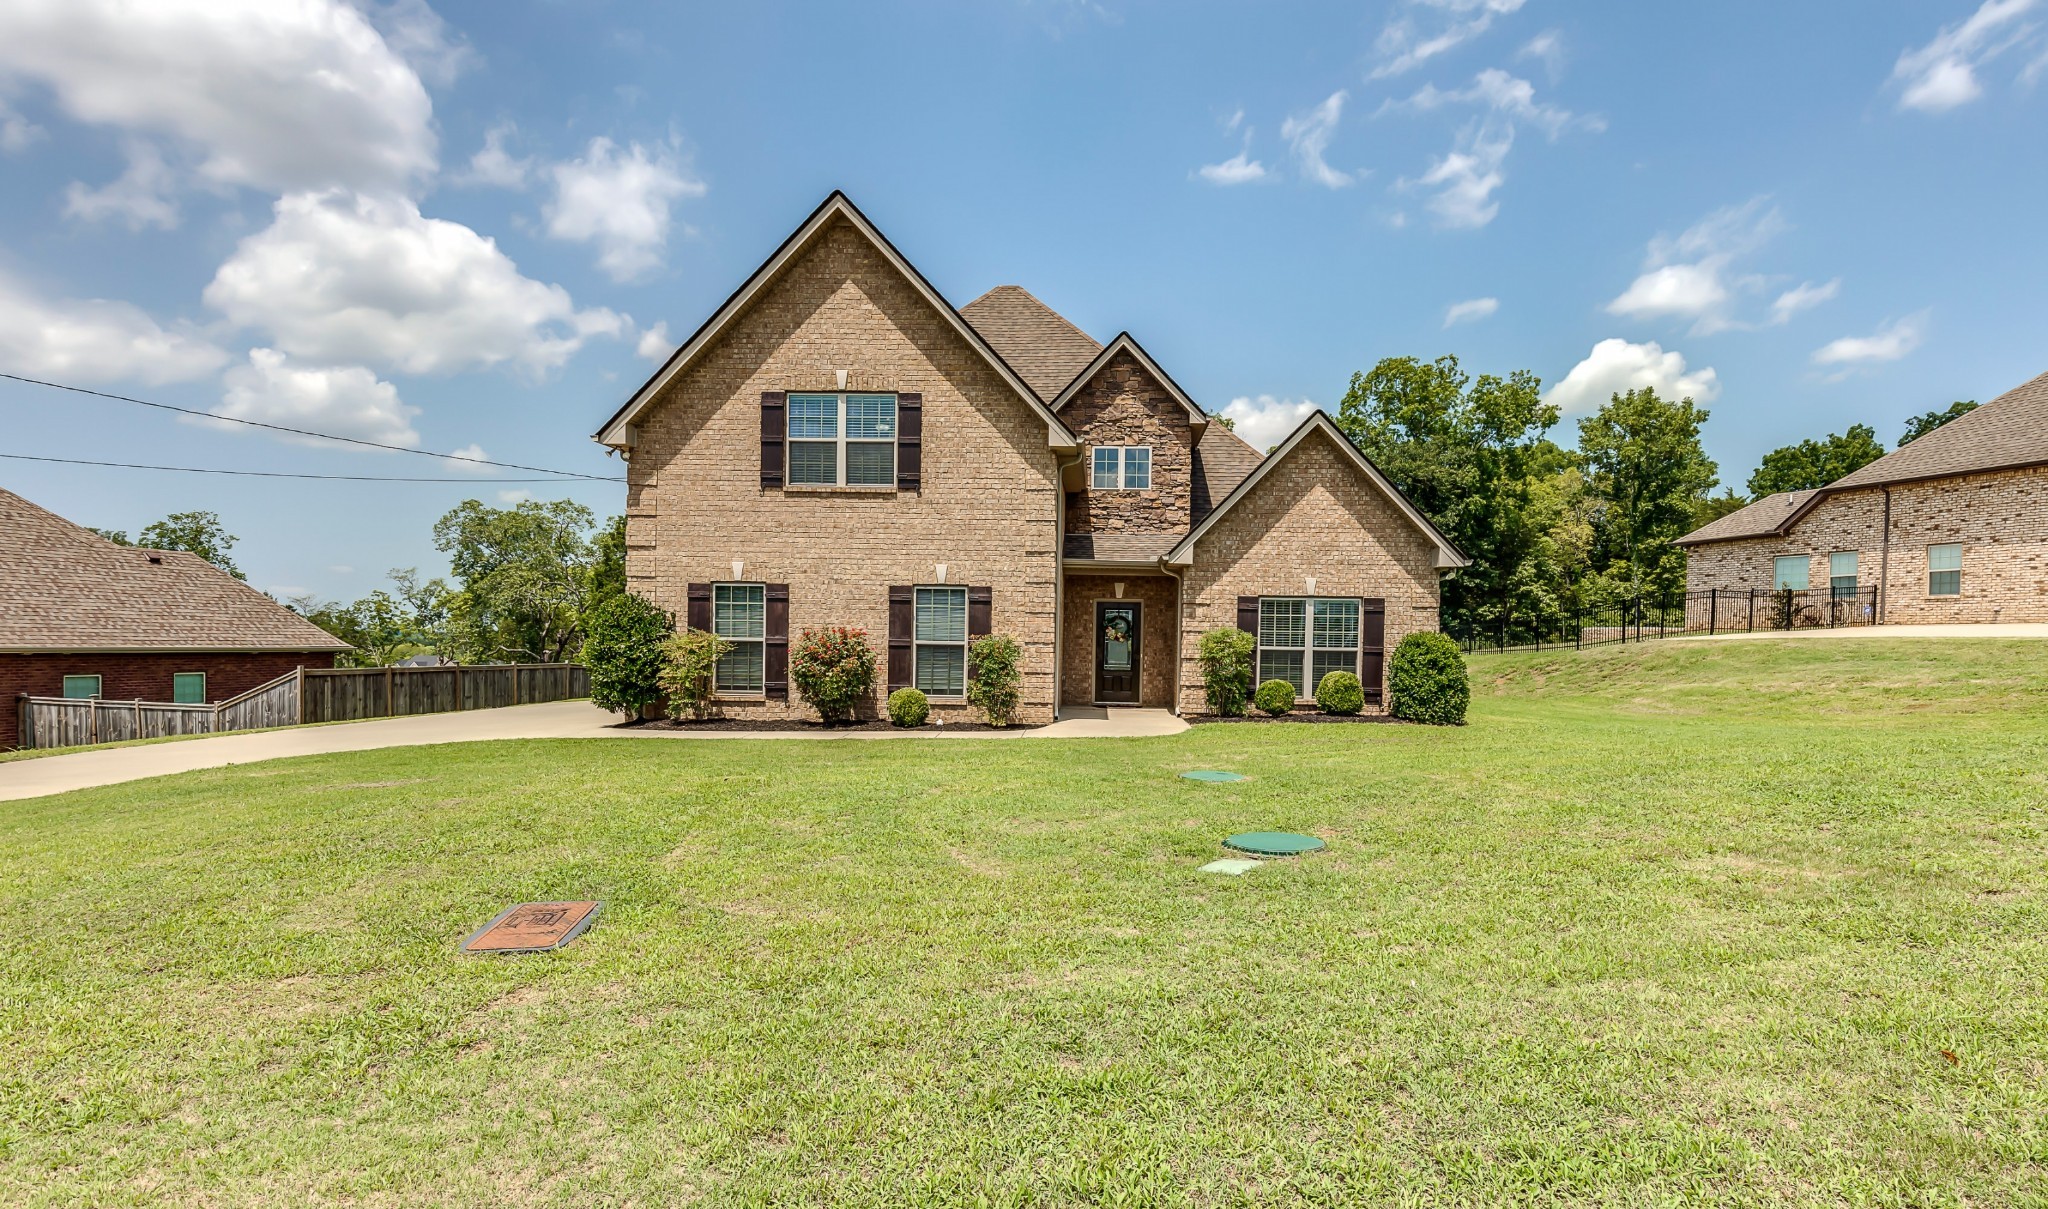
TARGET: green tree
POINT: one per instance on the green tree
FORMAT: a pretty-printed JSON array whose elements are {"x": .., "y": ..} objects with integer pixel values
[
  {"x": 1648, "y": 472},
  {"x": 1811, "y": 464},
  {"x": 1926, "y": 422},
  {"x": 1714, "y": 507},
  {"x": 117, "y": 536},
  {"x": 524, "y": 576},
  {"x": 1470, "y": 453},
  {"x": 608, "y": 563},
  {"x": 198, "y": 533},
  {"x": 387, "y": 625}
]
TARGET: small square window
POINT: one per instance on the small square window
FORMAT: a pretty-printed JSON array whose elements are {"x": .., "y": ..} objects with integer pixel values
[
  {"x": 1121, "y": 468},
  {"x": 1945, "y": 569},
  {"x": 81, "y": 686},
  {"x": 1842, "y": 574},
  {"x": 1790, "y": 571},
  {"x": 1137, "y": 467},
  {"x": 188, "y": 688}
]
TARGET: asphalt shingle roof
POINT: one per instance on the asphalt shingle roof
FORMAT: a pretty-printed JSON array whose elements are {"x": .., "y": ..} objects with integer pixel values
[
  {"x": 1760, "y": 519},
  {"x": 1122, "y": 547},
  {"x": 1038, "y": 342},
  {"x": 2011, "y": 430},
  {"x": 1222, "y": 461},
  {"x": 63, "y": 588}
]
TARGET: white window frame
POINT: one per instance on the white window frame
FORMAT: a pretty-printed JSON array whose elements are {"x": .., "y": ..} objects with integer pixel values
[
  {"x": 918, "y": 643},
  {"x": 1835, "y": 589},
  {"x": 760, "y": 691},
  {"x": 202, "y": 687},
  {"x": 1778, "y": 583},
  {"x": 839, "y": 440},
  {"x": 98, "y": 684},
  {"x": 1308, "y": 648},
  {"x": 1126, "y": 458},
  {"x": 1956, "y": 570}
]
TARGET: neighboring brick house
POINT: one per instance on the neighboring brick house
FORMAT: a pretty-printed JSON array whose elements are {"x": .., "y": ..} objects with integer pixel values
[
  {"x": 83, "y": 617},
  {"x": 1952, "y": 527},
  {"x": 837, "y": 445}
]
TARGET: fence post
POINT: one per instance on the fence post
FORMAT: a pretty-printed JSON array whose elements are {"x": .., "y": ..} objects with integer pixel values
[
  {"x": 458, "y": 686},
  {"x": 390, "y": 707},
  {"x": 1579, "y": 629},
  {"x": 1713, "y": 608},
  {"x": 92, "y": 719},
  {"x": 302, "y": 694}
]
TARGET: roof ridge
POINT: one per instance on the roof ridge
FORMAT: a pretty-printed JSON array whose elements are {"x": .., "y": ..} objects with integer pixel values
[{"x": 1071, "y": 325}]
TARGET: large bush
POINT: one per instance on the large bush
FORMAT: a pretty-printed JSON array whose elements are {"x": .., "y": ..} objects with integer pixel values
[
  {"x": 993, "y": 681},
  {"x": 908, "y": 707},
  {"x": 834, "y": 669},
  {"x": 623, "y": 652},
  {"x": 1340, "y": 693},
  {"x": 1427, "y": 681},
  {"x": 1226, "y": 659},
  {"x": 689, "y": 659},
  {"x": 1275, "y": 697}
]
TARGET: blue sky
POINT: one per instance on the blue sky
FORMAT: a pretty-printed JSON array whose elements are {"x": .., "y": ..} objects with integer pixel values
[{"x": 474, "y": 226}]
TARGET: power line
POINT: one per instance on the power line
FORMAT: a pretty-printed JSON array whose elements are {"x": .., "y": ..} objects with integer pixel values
[
  {"x": 301, "y": 432},
  {"x": 268, "y": 474}
]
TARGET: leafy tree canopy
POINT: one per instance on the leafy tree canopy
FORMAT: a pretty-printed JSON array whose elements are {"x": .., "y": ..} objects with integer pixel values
[
  {"x": 1926, "y": 422},
  {"x": 525, "y": 576},
  {"x": 198, "y": 533},
  {"x": 1645, "y": 463},
  {"x": 1811, "y": 464}
]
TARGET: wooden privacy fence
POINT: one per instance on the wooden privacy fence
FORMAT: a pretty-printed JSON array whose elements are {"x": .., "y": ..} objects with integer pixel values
[{"x": 304, "y": 695}]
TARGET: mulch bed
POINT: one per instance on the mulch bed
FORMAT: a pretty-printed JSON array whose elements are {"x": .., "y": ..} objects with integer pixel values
[
  {"x": 1296, "y": 717},
  {"x": 808, "y": 726}
]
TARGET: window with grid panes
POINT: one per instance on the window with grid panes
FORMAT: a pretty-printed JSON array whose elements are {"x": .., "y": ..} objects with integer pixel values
[
  {"x": 739, "y": 614},
  {"x": 842, "y": 440},
  {"x": 939, "y": 638}
]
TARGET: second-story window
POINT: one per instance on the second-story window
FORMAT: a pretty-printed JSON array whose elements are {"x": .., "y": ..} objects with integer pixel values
[
  {"x": 842, "y": 440},
  {"x": 1123, "y": 467}
]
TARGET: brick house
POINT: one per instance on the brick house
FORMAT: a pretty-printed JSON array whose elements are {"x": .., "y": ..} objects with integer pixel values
[
  {"x": 838, "y": 445},
  {"x": 1952, "y": 527},
  {"x": 83, "y": 617}
]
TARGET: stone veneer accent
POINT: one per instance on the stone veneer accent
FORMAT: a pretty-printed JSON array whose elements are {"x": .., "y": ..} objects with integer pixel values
[
  {"x": 1159, "y": 598},
  {"x": 1314, "y": 514},
  {"x": 988, "y": 507},
  {"x": 2000, "y": 517},
  {"x": 1124, "y": 405}
]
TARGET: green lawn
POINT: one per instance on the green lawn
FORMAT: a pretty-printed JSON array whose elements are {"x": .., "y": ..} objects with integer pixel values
[{"x": 1683, "y": 923}]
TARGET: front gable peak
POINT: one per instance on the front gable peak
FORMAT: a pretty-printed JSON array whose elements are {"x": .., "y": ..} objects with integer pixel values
[{"x": 1198, "y": 419}]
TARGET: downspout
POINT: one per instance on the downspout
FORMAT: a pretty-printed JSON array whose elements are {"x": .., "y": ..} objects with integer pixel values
[
  {"x": 1179, "y": 629},
  {"x": 1884, "y": 560}
]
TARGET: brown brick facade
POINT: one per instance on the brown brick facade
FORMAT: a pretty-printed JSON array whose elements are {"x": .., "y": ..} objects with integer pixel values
[
  {"x": 147, "y": 676},
  {"x": 1312, "y": 515},
  {"x": 2000, "y": 518},
  {"x": 1125, "y": 405},
  {"x": 1158, "y": 597}
]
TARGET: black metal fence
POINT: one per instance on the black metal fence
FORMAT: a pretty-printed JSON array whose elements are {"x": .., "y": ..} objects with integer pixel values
[{"x": 1645, "y": 619}]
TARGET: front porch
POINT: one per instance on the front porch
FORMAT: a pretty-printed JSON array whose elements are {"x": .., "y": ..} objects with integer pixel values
[{"x": 1118, "y": 632}]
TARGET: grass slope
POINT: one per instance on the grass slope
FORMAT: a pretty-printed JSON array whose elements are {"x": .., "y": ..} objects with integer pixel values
[{"x": 1667, "y": 924}]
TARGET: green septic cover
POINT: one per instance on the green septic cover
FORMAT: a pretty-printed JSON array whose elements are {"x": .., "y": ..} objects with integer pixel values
[
  {"x": 1273, "y": 843},
  {"x": 1204, "y": 774}
]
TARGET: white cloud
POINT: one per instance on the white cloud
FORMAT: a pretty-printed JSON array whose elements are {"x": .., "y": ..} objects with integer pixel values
[
  {"x": 1802, "y": 297},
  {"x": 96, "y": 341},
  {"x": 142, "y": 197},
  {"x": 1264, "y": 421},
  {"x": 419, "y": 36},
  {"x": 1942, "y": 75},
  {"x": 655, "y": 343},
  {"x": 1889, "y": 342},
  {"x": 1239, "y": 169},
  {"x": 273, "y": 94},
  {"x": 1616, "y": 366},
  {"x": 337, "y": 279},
  {"x": 16, "y": 131},
  {"x": 1308, "y": 135},
  {"x": 1466, "y": 177},
  {"x": 620, "y": 202},
  {"x": 1504, "y": 94},
  {"x": 1546, "y": 48},
  {"x": 514, "y": 496},
  {"x": 469, "y": 459},
  {"x": 493, "y": 165},
  {"x": 1402, "y": 47},
  {"x": 1691, "y": 276},
  {"x": 348, "y": 401},
  {"x": 1470, "y": 311}
]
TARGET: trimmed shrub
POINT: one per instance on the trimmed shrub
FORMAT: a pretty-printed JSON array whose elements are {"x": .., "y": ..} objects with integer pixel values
[
  {"x": 834, "y": 669},
  {"x": 1340, "y": 693},
  {"x": 1226, "y": 659},
  {"x": 1275, "y": 697},
  {"x": 689, "y": 658},
  {"x": 908, "y": 707},
  {"x": 1427, "y": 681},
  {"x": 623, "y": 652},
  {"x": 993, "y": 681}
]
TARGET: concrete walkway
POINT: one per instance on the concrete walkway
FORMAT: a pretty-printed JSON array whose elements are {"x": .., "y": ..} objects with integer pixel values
[
  {"x": 1989, "y": 629},
  {"x": 555, "y": 720}
]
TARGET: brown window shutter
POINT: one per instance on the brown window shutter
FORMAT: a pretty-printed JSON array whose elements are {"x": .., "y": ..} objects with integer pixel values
[
  {"x": 1372, "y": 660},
  {"x": 774, "y": 434},
  {"x": 1248, "y": 614},
  {"x": 699, "y": 613},
  {"x": 980, "y": 610},
  {"x": 775, "y": 652},
  {"x": 909, "y": 442},
  {"x": 902, "y": 607}
]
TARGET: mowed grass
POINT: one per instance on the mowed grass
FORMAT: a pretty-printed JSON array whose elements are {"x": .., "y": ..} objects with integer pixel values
[{"x": 1681, "y": 923}]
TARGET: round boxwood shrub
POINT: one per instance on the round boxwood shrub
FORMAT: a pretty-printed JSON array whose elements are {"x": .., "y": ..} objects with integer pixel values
[
  {"x": 1226, "y": 658},
  {"x": 1427, "y": 681},
  {"x": 908, "y": 707},
  {"x": 1275, "y": 697},
  {"x": 623, "y": 651},
  {"x": 1340, "y": 693},
  {"x": 833, "y": 668}
]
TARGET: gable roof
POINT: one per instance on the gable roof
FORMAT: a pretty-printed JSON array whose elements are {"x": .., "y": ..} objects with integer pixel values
[
  {"x": 1043, "y": 347},
  {"x": 1124, "y": 343},
  {"x": 1447, "y": 555},
  {"x": 1765, "y": 518},
  {"x": 836, "y": 207},
  {"x": 69, "y": 589},
  {"x": 2009, "y": 431},
  {"x": 1221, "y": 461}
]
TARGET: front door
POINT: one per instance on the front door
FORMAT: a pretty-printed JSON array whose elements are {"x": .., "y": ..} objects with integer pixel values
[{"x": 1116, "y": 651}]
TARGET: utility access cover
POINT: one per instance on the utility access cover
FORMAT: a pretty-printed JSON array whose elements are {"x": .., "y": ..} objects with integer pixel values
[
  {"x": 532, "y": 928},
  {"x": 1273, "y": 843},
  {"x": 1209, "y": 774}
]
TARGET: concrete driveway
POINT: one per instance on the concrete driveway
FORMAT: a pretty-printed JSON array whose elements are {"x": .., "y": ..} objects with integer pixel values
[{"x": 554, "y": 720}]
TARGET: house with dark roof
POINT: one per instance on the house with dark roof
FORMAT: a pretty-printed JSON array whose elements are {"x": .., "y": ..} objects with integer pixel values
[
  {"x": 838, "y": 445},
  {"x": 83, "y": 617},
  {"x": 1952, "y": 527}
]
